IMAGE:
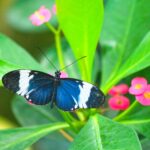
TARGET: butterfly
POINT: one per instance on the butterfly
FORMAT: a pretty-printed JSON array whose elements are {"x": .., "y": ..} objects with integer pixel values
[{"x": 41, "y": 88}]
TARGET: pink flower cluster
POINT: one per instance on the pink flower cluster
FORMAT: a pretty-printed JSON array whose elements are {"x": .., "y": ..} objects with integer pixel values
[
  {"x": 42, "y": 15},
  {"x": 141, "y": 89},
  {"x": 118, "y": 101}
]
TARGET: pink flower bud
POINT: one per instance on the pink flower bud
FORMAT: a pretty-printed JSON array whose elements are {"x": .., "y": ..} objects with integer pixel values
[
  {"x": 40, "y": 16},
  {"x": 138, "y": 86},
  {"x": 119, "y": 89},
  {"x": 119, "y": 102},
  {"x": 63, "y": 75},
  {"x": 30, "y": 102}
]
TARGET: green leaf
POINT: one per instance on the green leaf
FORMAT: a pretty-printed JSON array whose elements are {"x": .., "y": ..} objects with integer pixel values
[
  {"x": 21, "y": 138},
  {"x": 12, "y": 56},
  {"x": 40, "y": 115},
  {"x": 122, "y": 34},
  {"x": 136, "y": 116},
  {"x": 133, "y": 116},
  {"x": 18, "y": 15},
  {"x": 138, "y": 60},
  {"x": 12, "y": 53},
  {"x": 4, "y": 68},
  {"x": 45, "y": 114},
  {"x": 101, "y": 133},
  {"x": 145, "y": 144},
  {"x": 81, "y": 22},
  {"x": 53, "y": 141}
]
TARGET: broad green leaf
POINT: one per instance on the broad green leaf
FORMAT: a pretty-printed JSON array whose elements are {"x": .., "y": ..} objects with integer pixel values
[
  {"x": 53, "y": 141},
  {"x": 6, "y": 67},
  {"x": 133, "y": 116},
  {"x": 12, "y": 53},
  {"x": 45, "y": 113},
  {"x": 138, "y": 60},
  {"x": 81, "y": 22},
  {"x": 12, "y": 56},
  {"x": 101, "y": 133},
  {"x": 18, "y": 15},
  {"x": 125, "y": 25},
  {"x": 136, "y": 116},
  {"x": 21, "y": 138},
  {"x": 40, "y": 115},
  {"x": 145, "y": 144}
]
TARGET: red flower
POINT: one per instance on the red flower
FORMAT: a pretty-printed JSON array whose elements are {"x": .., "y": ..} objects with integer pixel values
[
  {"x": 119, "y": 102},
  {"x": 119, "y": 89}
]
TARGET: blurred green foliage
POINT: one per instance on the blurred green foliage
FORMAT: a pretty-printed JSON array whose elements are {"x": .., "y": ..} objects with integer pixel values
[
  {"x": 120, "y": 53},
  {"x": 18, "y": 15}
]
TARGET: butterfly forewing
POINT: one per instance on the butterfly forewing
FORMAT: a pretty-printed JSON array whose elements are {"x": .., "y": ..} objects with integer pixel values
[
  {"x": 41, "y": 88},
  {"x": 73, "y": 94},
  {"x": 35, "y": 86}
]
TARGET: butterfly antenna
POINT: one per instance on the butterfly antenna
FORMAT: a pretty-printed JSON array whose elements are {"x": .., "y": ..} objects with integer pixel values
[
  {"x": 42, "y": 52},
  {"x": 72, "y": 63}
]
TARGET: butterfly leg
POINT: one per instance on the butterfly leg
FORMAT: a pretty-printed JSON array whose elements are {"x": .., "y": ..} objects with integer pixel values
[{"x": 51, "y": 104}]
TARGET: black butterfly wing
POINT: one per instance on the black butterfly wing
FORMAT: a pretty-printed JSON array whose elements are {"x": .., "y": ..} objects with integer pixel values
[
  {"x": 73, "y": 94},
  {"x": 35, "y": 86}
]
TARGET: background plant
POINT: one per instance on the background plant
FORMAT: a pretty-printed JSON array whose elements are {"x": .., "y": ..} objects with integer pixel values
[{"x": 123, "y": 53}]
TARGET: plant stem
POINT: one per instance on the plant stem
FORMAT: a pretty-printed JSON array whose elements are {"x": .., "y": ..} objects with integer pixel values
[
  {"x": 70, "y": 120},
  {"x": 56, "y": 33},
  {"x": 80, "y": 115},
  {"x": 51, "y": 27},
  {"x": 66, "y": 115},
  {"x": 59, "y": 49},
  {"x": 66, "y": 135},
  {"x": 126, "y": 112}
]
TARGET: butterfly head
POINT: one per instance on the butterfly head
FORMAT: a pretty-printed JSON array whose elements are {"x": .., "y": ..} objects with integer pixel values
[{"x": 57, "y": 74}]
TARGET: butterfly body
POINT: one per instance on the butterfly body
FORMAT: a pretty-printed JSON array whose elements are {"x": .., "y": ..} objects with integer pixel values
[{"x": 40, "y": 88}]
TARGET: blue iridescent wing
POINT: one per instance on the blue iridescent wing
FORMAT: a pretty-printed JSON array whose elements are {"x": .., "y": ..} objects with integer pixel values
[
  {"x": 73, "y": 94},
  {"x": 35, "y": 86}
]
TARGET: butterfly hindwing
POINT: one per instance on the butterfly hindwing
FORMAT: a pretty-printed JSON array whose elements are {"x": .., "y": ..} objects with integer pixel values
[
  {"x": 35, "y": 86},
  {"x": 41, "y": 88},
  {"x": 73, "y": 94}
]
